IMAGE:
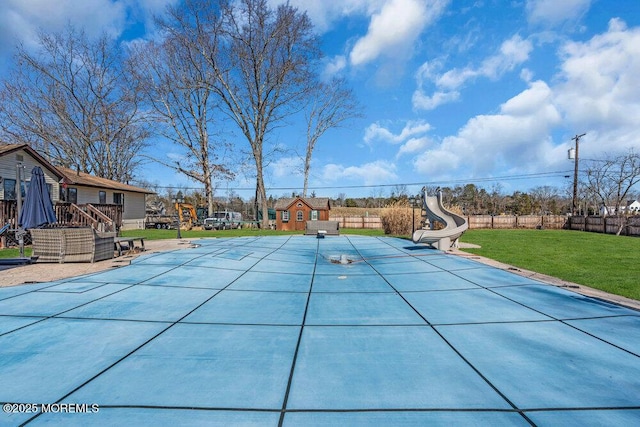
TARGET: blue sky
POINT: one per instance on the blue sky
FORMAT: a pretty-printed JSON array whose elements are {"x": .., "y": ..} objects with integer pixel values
[{"x": 485, "y": 92}]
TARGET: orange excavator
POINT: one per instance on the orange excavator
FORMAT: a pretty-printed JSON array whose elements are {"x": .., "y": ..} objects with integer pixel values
[{"x": 188, "y": 216}]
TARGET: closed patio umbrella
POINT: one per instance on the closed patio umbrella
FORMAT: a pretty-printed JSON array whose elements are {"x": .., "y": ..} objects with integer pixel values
[{"x": 37, "y": 209}]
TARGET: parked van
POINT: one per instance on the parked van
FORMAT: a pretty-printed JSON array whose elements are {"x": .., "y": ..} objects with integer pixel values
[{"x": 223, "y": 220}]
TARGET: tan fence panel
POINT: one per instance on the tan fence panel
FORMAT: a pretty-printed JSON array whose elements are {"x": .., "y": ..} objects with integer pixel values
[
  {"x": 480, "y": 221},
  {"x": 504, "y": 221},
  {"x": 612, "y": 224},
  {"x": 555, "y": 222},
  {"x": 609, "y": 225},
  {"x": 577, "y": 222},
  {"x": 595, "y": 224},
  {"x": 529, "y": 221},
  {"x": 633, "y": 226},
  {"x": 353, "y": 222},
  {"x": 373, "y": 222}
]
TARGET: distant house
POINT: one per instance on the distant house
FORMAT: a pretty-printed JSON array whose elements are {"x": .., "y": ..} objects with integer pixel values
[
  {"x": 123, "y": 203},
  {"x": 607, "y": 210},
  {"x": 81, "y": 188},
  {"x": 293, "y": 213},
  {"x": 632, "y": 208}
]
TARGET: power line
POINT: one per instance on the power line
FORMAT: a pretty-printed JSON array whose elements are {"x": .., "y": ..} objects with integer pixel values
[{"x": 538, "y": 175}]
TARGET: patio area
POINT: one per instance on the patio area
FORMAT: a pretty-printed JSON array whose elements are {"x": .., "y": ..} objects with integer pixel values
[{"x": 294, "y": 330}]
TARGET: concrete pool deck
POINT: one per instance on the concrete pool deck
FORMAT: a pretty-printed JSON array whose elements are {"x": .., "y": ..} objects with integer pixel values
[{"x": 276, "y": 331}]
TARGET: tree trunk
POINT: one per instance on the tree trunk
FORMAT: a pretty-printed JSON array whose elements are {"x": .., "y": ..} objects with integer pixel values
[
  {"x": 307, "y": 167},
  {"x": 623, "y": 221}
]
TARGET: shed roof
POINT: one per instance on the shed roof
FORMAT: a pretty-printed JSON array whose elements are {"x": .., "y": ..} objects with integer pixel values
[{"x": 318, "y": 203}]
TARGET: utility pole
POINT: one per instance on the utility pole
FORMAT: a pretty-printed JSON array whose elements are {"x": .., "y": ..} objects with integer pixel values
[{"x": 575, "y": 174}]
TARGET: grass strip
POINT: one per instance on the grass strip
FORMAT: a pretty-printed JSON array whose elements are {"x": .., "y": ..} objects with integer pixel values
[{"x": 601, "y": 261}]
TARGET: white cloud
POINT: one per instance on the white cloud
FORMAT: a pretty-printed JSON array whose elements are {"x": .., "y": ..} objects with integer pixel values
[
  {"x": 20, "y": 21},
  {"x": 25, "y": 18},
  {"x": 511, "y": 54},
  {"x": 598, "y": 86},
  {"x": 393, "y": 29},
  {"x": 595, "y": 91},
  {"x": 334, "y": 66},
  {"x": 376, "y": 132},
  {"x": 286, "y": 167},
  {"x": 553, "y": 12},
  {"x": 421, "y": 101},
  {"x": 518, "y": 135},
  {"x": 412, "y": 138},
  {"x": 414, "y": 145},
  {"x": 437, "y": 162},
  {"x": 324, "y": 14},
  {"x": 377, "y": 172}
]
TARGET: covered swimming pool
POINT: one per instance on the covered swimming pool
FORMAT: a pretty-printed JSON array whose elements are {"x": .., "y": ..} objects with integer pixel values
[{"x": 294, "y": 330}]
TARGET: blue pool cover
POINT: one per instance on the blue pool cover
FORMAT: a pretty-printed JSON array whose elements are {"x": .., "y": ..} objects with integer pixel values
[{"x": 271, "y": 331}]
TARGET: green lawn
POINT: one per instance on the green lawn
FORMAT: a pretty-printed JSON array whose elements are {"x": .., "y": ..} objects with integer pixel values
[
  {"x": 14, "y": 252},
  {"x": 601, "y": 261}
]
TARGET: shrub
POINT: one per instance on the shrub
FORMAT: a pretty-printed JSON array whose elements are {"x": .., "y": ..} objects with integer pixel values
[{"x": 396, "y": 218}]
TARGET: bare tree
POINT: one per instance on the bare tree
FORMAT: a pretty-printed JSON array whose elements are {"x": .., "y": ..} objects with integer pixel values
[
  {"x": 612, "y": 180},
  {"x": 331, "y": 105},
  {"x": 262, "y": 62},
  {"x": 399, "y": 191},
  {"x": 378, "y": 195},
  {"x": 72, "y": 101},
  {"x": 544, "y": 197},
  {"x": 177, "y": 84}
]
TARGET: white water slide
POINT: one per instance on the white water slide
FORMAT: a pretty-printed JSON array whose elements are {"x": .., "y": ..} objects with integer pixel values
[{"x": 454, "y": 225}]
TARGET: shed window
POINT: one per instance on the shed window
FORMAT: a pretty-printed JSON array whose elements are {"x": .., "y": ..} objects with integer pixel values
[
  {"x": 102, "y": 197},
  {"x": 313, "y": 215},
  {"x": 285, "y": 216},
  {"x": 118, "y": 199},
  {"x": 299, "y": 216}
]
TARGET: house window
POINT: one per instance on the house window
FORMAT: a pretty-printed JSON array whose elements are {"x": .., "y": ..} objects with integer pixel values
[
  {"x": 72, "y": 195},
  {"x": 102, "y": 197},
  {"x": 299, "y": 216},
  {"x": 285, "y": 216},
  {"x": 118, "y": 199},
  {"x": 314, "y": 215},
  {"x": 9, "y": 186}
]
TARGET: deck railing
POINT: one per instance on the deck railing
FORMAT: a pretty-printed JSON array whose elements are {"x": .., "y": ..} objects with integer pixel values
[
  {"x": 102, "y": 217},
  {"x": 99, "y": 217}
]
